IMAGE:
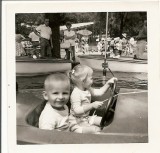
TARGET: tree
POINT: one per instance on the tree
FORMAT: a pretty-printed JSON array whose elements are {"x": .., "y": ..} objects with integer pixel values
[
  {"x": 118, "y": 23},
  {"x": 55, "y": 20},
  {"x": 128, "y": 22}
]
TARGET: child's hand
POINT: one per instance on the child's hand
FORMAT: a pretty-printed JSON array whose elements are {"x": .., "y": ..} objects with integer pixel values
[
  {"x": 97, "y": 104},
  {"x": 112, "y": 80}
]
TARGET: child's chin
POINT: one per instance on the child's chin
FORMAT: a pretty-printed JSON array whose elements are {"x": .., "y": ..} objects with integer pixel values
[{"x": 60, "y": 106}]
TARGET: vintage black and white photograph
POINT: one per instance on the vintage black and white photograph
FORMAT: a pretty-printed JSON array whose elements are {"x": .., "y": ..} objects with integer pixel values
[{"x": 81, "y": 76}]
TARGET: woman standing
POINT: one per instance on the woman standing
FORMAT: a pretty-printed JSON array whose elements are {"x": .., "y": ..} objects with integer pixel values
[
  {"x": 141, "y": 43},
  {"x": 69, "y": 38}
]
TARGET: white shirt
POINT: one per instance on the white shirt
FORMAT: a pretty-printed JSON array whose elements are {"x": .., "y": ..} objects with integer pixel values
[
  {"x": 33, "y": 36},
  {"x": 131, "y": 41},
  {"x": 45, "y": 31},
  {"x": 79, "y": 98},
  {"x": 51, "y": 118},
  {"x": 69, "y": 34}
]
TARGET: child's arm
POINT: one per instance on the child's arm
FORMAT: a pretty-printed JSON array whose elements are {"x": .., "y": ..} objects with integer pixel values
[
  {"x": 36, "y": 32},
  {"x": 80, "y": 109},
  {"x": 102, "y": 90},
  {"x": 74, "y": 37},
  {"x": 69, "y": 37},
  {"x": 93, "y": 105}
]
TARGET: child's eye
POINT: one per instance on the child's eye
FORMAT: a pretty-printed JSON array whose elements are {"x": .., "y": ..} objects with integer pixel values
[
  {"x": 65, "y": 93},
  {"x": 55, "y": 93}
]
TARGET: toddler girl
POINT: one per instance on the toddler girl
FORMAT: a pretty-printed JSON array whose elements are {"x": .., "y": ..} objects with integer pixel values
[{"x": 80, "y": 121}]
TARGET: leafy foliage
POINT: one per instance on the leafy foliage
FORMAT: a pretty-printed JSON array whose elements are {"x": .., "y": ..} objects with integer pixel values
[{"x": 118, "y": 22}]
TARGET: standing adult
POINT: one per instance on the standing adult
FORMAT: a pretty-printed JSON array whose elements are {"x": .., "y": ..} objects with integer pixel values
[
  {"x": 131, "y": 45},
  {"x": 19, "y": 48},
  {"x": 124, "y": 42},
  {"x": 141, "y": 42},
  {"x": 45, "y": 34},
  {"x": 69, "y": 38}
]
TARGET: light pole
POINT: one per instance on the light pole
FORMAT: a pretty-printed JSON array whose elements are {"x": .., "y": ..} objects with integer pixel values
[{"x": 105, "y": 64}]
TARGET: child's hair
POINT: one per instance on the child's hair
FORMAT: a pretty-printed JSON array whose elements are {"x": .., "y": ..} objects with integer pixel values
[
  {"x": 54, "y": 78},
  {"x": 68, "y": 24},
  {"x": 79, "y": 73}
]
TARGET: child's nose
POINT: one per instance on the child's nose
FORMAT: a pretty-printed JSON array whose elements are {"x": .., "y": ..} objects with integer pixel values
[{"x": 60, "y": 96}]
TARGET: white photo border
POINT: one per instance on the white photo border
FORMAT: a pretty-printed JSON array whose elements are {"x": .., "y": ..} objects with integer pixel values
[{"x": 9, "y": 73}]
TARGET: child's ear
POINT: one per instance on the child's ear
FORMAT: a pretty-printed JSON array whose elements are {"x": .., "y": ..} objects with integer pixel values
[{"x": 45, "y": 96}]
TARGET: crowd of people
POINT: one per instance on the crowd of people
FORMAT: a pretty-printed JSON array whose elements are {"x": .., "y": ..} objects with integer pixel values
[
  {"x": 38, "y": 43},
  {"x": 117, "y": 47},
  {"x": 40, "y": 40},
  {"x": 135, "y": 46}
]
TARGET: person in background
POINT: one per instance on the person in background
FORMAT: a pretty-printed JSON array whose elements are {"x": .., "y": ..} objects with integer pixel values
[
  {"x": 141, "y": 42},
  {"x": 99, "y": 46},
  {"x": 19, "y": 48},
  {"x": 34, "y": 39},
  {"x": 124, "y": 42},
  {"x": 131, "y": 45},
  {"x": 111, "y": 46},
  {"x": 45, "y": 35},
  {"x": 116, "y": 48},
  {"x": 69, "y": 38},
  {"x": 76, "y": 45},
  {"x": 120, "y": 47}
]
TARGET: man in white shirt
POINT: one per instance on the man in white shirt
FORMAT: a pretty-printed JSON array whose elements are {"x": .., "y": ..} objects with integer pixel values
[{"x": 45, "y": 34}]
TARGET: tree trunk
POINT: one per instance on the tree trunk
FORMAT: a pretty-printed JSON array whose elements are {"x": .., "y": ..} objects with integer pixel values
[
  {"x": 54, "y": 19},
  {"x": 123, "y": 19}
]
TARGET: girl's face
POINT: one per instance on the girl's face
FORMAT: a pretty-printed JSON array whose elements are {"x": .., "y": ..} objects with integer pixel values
[
  {"x": 58, "y": 94},
  {"x": 88, "y": 81}
]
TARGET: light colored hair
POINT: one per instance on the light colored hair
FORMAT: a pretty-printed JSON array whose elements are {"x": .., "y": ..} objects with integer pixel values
[
  {"x": 55, "y": 78},
  {"x": 79, "y": 73}
]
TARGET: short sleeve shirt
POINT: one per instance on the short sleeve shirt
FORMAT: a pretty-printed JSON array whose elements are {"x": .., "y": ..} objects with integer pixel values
[
  {"x": 33, "y": 36},
  {"x": 51, "y": 118},
  {"x": 79, "y": 98},
  {"x": 45, "y": 31},
  {"x": 69, "y": 34}
]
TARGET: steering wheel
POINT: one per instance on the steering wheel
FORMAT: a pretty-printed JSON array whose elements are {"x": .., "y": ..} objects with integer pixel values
[{"x": 109, "y": 105}]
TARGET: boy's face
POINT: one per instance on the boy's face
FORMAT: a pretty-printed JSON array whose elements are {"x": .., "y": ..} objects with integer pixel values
[{"x": 58, "y": 94}]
